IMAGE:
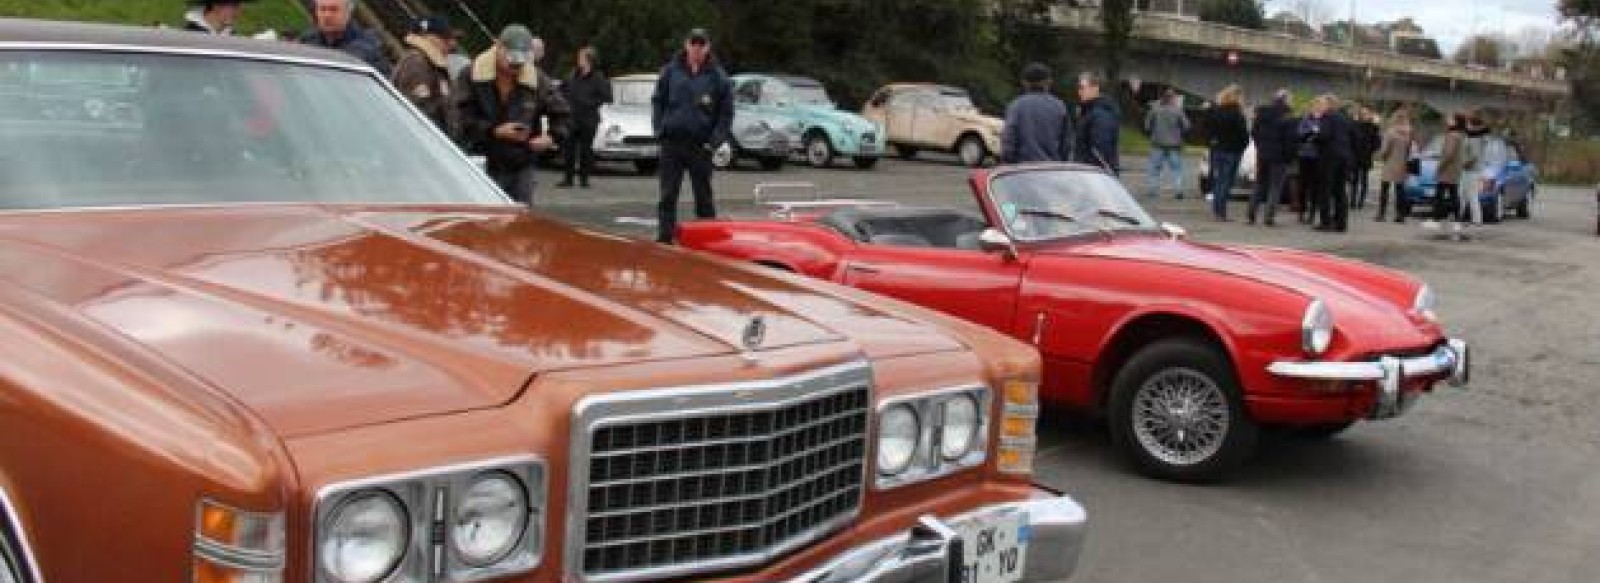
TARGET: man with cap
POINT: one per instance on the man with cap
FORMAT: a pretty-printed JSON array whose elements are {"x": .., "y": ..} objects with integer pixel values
[
  {"x": 423, "y": 73},
  {"x": 506, "y": 103},
  {"x": 1036, "y": 122},
  {"x": 586, "y": 92},
  {"x": 336, "y": 29},
  {"x": 212, "y": 16},
  {"x": 692, "y": 113}
]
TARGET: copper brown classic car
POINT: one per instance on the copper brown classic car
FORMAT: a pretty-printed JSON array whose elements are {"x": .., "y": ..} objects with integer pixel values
[{"x": 263, "y": 323}]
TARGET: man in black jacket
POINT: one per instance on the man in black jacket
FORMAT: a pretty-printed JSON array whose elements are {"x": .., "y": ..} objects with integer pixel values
[
  {"x": 1036, "y": 125},
  {"x": 423, "y": 73},
  {"x": 692, "y": 112},
  {"x": 503, "y": 112},
  {"x": 1334, "y": 208},
  {"x": 1098, "y": 127},
  {"x": 586, "y": 91},
  {"x": 336, "y": 29},
  {"x": 1274, "y": 135}
]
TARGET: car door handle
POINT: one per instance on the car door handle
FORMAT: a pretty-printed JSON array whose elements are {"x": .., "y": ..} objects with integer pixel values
[{"x": 863, "y": 268}]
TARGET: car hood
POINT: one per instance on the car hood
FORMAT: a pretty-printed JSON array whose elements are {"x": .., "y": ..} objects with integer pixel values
[
  {"x": 823, "y": 114},
  {"x": 634, "y": 120},
  {"x": 324, "y": 318},
  {"x": 972, "y": 117},
  {"x": 1363, "y": 298}
]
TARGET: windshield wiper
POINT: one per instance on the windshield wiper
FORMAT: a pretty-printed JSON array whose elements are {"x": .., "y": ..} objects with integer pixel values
[
  {"x": 1111, "y": 214},
  {"x": 1047, "y": 214}
]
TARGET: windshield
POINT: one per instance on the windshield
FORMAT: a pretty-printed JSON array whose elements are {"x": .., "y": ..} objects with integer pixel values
[
  {"x": 1037, "y": 205},
  {"x": 632, "y": 92},
  {"x": 81, "y": 129}
]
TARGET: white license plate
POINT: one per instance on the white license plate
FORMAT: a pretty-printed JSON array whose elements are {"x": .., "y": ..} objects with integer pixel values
[{"x": 995, "y": 548}]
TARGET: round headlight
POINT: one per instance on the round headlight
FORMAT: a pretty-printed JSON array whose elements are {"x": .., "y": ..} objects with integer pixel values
[
  {"x": 1316, "y": 330},
  {"x": 1425, "y": 303},
  {"x": 897, "y": 439},
  {"x": 960, "y": 431},
  {"x": 489, "y": 519},
  {"x": 365, "y": 538}
]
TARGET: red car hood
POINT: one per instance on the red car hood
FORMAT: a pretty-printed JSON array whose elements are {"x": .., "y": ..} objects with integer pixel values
[
  {"x": 1365, "y": 315},
  {"x": 325, "y": 318}
]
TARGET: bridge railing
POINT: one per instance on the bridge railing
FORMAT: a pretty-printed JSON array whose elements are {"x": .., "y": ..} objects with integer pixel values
[{"x": 1166, "y": 28}]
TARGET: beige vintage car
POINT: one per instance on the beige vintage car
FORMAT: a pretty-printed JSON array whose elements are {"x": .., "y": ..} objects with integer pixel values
[{"x": 925, "y": 116}]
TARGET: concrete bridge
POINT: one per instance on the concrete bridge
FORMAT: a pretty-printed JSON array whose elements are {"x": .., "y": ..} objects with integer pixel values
[{"x": 1194, "y": 57}]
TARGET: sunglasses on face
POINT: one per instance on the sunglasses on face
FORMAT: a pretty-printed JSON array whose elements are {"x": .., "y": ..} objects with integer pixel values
[{"x": 697, "y": 42}]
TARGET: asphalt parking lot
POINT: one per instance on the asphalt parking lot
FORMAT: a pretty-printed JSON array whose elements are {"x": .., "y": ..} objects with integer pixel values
[{"x": 1497, "y": 483}]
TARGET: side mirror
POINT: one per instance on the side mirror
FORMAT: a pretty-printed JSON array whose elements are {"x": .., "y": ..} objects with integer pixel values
[
  {"x": 1174, "y": 232},
  {"x": 993, "y": 241}
]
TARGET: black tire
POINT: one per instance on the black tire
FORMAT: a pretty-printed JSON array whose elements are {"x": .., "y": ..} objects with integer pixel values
[
  {"x": 971, "y": 151},
  {"x": 819, "y": 150},
  {"x": 772, "y": 163},
  {"x": 645, "y": 167},
  {"x": 864, "y": 162},
  {"x": 1321, "y": 431},
  {"x": 1188, "y": 363},
  {"x": 1205, "y": 185},
  {"x": 905, "y": 152}
]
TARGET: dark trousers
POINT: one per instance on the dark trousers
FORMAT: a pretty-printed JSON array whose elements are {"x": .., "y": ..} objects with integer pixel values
[
  {"x": 1224, "y": 170},
  {"x": 676, "y": 159},
  {"x": 1270, "y": 179},
  {"x": 1333, "y": 209},
  {"x": 1310, "y": 187},
  {"x": 1359, "y": 186},
  {"x": 580, "y": 152},
  {"x": 518, "y": 184},
  {"x": 1402, "y": 205},
  {"x": 1447, "y": 202}
]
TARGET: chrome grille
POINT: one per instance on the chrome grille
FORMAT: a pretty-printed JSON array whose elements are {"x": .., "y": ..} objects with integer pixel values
[{"x": 684, "y": 492}]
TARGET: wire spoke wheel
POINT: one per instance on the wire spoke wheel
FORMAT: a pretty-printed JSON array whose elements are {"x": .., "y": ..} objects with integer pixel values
[{"x": 1180, "y": 416}]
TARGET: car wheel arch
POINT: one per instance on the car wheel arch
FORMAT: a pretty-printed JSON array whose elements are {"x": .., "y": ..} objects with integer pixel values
[{"x": 1143, "y": 329}]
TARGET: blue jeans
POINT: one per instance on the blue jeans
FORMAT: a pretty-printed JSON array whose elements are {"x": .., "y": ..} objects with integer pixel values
[
  {"x": 1224, "y": 169},
  {"x": 1163, "y": 157}
]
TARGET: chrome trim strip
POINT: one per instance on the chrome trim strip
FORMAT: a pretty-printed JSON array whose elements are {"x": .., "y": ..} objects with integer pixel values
[
  {"x": 933, "y": 465},
  {"x": 536, "y": 481},
  {"x": 30, "y": 561},
  {"x": 627, "y": 407},
  {"x": 237, "y": 558},
  {"x": 1444, "y": 359}
]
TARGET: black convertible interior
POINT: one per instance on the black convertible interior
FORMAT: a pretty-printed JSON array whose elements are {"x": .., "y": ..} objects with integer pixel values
[{"x": 909, "y": 227}]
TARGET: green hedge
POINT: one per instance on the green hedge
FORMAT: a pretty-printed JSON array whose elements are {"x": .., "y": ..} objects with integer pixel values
[{"x": 280, "y": 15}]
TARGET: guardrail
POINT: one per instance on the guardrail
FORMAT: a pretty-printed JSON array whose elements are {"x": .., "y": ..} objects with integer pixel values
[{"x": 1175, "y": 30}]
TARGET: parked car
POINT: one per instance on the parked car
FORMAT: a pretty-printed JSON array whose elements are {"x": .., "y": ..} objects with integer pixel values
[
  {"x": 924, "y": 116},
  {"x": 1186, "y": 348},
  {"x": 1503, "y": 166},
  {"x": 1244, "y": 185},
  {"x": 625, "y": 133},
  {"x": 280, "y": 330},
  {"x": 762, "y": 134},
  {"x": 826, "y": 132}
]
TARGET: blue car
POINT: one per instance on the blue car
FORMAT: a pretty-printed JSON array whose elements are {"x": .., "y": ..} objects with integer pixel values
[
  {"x": 826, "y": 132},
  {"x": 1513, "y": 184}
]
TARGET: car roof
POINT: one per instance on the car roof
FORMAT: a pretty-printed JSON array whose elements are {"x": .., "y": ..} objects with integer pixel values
[
  {"x": 22, "y": 33},
  {"x": 925, "y": 86}
]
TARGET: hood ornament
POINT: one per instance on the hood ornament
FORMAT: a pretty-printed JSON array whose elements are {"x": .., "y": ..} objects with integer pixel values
[{"x": 755, "y": 333}]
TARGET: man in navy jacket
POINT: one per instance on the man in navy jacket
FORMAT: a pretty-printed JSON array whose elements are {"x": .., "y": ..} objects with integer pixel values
[{"x": 692, "y": 114}]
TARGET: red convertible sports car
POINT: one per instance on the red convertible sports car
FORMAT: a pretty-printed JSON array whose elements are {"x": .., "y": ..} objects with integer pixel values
[{"x": 1187, "y": 348}]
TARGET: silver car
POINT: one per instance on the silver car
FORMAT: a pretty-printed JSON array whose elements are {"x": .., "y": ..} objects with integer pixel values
[{"x": 625, "y": 133}]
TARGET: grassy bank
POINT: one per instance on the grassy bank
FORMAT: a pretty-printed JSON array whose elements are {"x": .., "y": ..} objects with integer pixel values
[
  {"x": 280, "y": 15},
  {"x": 1572, "y": 162}
]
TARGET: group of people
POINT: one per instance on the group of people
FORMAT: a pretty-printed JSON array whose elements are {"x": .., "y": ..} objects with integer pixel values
[
  {"x": 502, "y": 106},
  {"x": 1330, "y": 153},
  {"x": 1040, "y": 127}
]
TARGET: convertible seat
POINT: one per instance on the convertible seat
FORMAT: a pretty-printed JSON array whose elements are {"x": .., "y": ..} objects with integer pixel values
[{"x": 908, "y": 227}]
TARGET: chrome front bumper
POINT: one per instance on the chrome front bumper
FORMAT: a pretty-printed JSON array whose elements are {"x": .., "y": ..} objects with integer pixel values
[
  {"x": 1390, "y": 372},
  {"x": 931, "y": 551}
]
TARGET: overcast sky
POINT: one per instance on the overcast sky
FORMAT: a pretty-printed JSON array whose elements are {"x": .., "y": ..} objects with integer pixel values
[{"x": 1448, "y": 21}]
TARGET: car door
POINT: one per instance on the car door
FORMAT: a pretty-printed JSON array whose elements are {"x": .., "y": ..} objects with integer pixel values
[
  {"x": 975, "y": 286},
  {"x": 902, "y": 116}
]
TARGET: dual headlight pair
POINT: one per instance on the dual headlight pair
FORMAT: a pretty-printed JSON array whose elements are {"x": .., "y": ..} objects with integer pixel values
[
  {"x": 467, "y": 522},
  {"x": 927, "y": 436}
]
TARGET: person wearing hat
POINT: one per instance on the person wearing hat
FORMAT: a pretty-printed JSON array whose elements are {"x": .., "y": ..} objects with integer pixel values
[
  {"x": 336, "y": 29},
  {"x": 1036, "y": 121},
  {"x": 692, "y": 113},
  {"x": 505, "y": 105},
  {"x": 586, "y": 92},
  {"x": 423, "y": 73},
  {"x": 212, "y": 16}
]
